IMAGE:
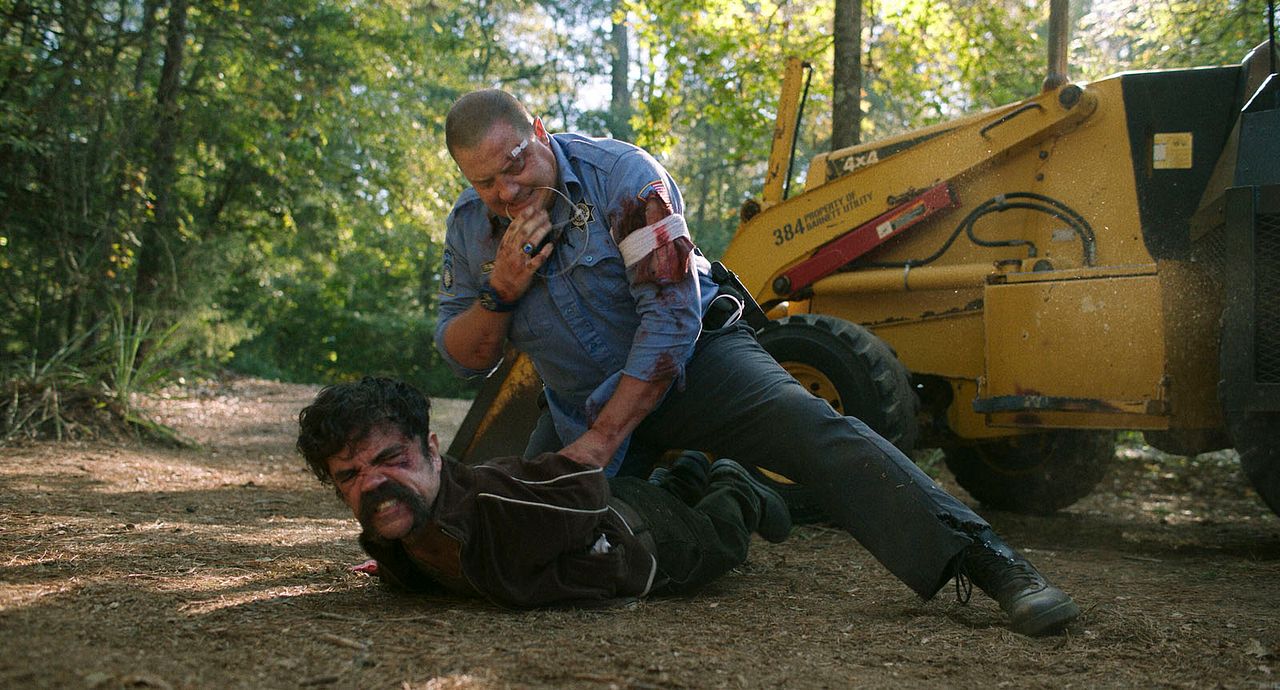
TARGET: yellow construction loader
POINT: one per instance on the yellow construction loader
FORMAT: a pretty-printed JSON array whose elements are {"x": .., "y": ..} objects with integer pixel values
[{"x": 1015, "y": 286}]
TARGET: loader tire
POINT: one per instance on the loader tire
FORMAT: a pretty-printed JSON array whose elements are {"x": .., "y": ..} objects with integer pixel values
[
  {"x": 1257, "y": 439},
  {"x": 857, "y": 373},
  {"x": 1034, "y": 473}
]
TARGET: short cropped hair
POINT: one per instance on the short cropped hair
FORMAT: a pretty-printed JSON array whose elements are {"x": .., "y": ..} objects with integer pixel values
[
  {"x": 473, "y": 115},
  {"x": 343, "y": 414}
]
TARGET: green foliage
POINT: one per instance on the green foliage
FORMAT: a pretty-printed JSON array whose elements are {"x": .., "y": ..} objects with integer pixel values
[
  {"x": 137, "y": 354},
  {"x": 707, "y": 95},
  {"x": 952, "y": 58},
  {"x": 1113, "y": 36},
  {"x": 282, "y": 210},
  {"x": 85, "y": 388},
  {"x": 308, "y": 130}
]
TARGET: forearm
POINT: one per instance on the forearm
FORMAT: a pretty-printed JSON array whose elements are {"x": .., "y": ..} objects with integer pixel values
[
  {"x": 477, "y": 337},
  {"x": 631, "y": 402}
]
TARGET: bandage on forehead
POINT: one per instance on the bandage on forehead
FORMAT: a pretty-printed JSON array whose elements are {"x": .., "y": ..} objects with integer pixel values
[{"x": 643, "y": 241}]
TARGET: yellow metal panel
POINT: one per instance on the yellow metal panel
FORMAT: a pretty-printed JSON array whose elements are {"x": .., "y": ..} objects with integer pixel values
[
  {"x": 780, "y": 236},
  {"x": 783, "y": 132},
  {"x": 961, "y": 418},
  {"x": 503, "y": 415},
  {"x": 1192, "y": 308},
  {"x": 934, "y": 332},
  {"x": 948, "y": 345},
  {"x": 817, "y": 174},
  {"x": 1097, "y": 341}
]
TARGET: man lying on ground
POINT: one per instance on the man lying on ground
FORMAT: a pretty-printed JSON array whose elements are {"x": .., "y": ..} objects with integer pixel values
[{"x": 520, "y": 532}]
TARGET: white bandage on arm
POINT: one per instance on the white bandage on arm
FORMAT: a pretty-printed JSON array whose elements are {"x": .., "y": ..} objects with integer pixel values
[{"x": 642, "y": 241}]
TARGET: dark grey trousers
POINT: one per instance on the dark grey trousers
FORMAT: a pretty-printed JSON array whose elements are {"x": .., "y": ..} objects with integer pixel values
[
  {"x": 737, "y": 402},
  {"x": 698, "y": 537}
]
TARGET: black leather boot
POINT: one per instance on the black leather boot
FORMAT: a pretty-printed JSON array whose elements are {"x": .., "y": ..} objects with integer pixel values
[
  {"x": 772, "y": 518},
  {"x": 686, "y": 478},
  {"x": 1034, "y": 606}
]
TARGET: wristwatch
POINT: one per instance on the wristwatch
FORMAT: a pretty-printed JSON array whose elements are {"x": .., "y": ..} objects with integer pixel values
[{"x": 489, "y": 299}]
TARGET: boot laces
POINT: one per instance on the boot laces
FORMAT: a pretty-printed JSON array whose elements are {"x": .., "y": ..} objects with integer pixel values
[
  {"x": 964, "y": 586},
  {"x": 996, "y": 573}
]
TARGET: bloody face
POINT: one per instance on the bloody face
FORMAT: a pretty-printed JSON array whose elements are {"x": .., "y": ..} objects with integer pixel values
[{"x": 388, "y": 480}]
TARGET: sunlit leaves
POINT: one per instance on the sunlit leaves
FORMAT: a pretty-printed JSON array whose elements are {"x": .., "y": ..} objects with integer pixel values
[
  {"x": 1112, "y": 35},
  {"x": 312, "y": 182}
]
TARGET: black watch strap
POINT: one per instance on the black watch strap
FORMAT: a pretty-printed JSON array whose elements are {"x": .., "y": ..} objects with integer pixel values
[{"x": 490, "y": 300}]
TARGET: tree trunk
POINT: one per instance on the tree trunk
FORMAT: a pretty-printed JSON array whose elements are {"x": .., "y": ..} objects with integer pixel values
[
  {"x": 156, "y": 252},
  {"x": 846, "y": 105},
  {"x": 149, "y": 9},
  {"x": 620, "y": 54}
]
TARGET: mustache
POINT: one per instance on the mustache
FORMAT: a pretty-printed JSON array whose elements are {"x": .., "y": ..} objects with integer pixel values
[{"x": 393, "y": 490}]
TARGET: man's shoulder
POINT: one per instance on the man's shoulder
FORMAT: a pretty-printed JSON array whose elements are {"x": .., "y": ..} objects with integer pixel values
[
  {"x": 455, "y": 473},
  {"x": 468, "y": 197},
  {"x": 547, "y": 468},
  {"x": 468, "y": 209},
  {"x": 623, "y": 168},
  {"x": 598, "y": 152},
  {"x": 581, "y": 144}
]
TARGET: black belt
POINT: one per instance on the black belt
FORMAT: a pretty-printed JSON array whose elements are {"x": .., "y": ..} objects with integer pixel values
[
  {"x": 725, "y": 310},
  {"x": 732, "y": 302}
]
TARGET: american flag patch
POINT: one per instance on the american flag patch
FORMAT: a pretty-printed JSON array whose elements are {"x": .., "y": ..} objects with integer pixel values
[{"x": 655, "y": 187}]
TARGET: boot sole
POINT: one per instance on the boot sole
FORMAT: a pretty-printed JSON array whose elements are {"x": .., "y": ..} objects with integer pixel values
[{"x": 1048, "y": 622}]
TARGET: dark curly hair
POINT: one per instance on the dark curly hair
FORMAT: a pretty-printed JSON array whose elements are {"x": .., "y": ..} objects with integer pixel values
[{"x": 343, "y": 414}]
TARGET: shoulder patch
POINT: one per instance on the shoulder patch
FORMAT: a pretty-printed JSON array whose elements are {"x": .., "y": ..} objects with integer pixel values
[
  {"x": 446, "y": 270},
  {"x": 657, "y": 187}
]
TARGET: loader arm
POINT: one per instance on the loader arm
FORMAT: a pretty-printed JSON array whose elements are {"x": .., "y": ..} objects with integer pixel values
[{"x": 791, "y": 231}]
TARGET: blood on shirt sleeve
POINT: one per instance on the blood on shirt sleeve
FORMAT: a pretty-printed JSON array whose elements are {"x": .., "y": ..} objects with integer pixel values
[{"x": 668, "y": 261}]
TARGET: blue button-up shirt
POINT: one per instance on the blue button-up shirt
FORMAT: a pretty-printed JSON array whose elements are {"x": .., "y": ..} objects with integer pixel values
[{"x": 583, "y": 322}]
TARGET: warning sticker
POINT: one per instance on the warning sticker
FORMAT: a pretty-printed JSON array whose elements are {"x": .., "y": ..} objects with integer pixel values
[{"x": 1171, "y": 151}]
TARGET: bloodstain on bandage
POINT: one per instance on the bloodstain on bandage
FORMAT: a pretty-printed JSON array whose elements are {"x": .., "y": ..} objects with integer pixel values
[{"x": 663, "y": 245}]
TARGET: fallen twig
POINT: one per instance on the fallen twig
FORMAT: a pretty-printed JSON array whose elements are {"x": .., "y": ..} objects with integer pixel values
[
  {"x": 340, "y": 617},
  {"x": 406, "y": 619},
  {"x": 344, "y": 641}
]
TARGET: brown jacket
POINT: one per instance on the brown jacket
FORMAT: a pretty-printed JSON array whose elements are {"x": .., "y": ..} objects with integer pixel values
[{"x": 524, "y": 533}]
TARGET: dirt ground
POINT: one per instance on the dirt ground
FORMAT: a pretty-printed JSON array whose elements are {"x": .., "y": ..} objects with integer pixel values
[{"x": 227, "y": 566}]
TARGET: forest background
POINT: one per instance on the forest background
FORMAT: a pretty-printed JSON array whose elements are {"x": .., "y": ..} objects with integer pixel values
[{"x": 261, "y": 185}]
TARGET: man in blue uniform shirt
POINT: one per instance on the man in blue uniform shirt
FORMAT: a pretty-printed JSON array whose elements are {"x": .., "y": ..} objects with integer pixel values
[{"x": 575, "y": 251}]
